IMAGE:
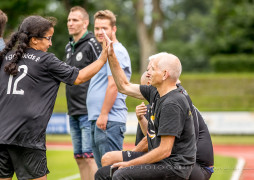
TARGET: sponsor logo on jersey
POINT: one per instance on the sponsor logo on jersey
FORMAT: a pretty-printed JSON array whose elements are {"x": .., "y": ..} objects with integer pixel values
[
  {"x": 152, "y": 136},
  {"x": 79, "y": 56},
  {"x": 25, "y": 56}
]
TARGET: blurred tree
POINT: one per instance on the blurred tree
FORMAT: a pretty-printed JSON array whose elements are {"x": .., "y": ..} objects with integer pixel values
[
  {"x": 149, "y": 16},
  {"x": 16, "y": 10},
  {"x": 183, "y": 28},
  {"x": 232, "y": 27},
  {"x": 193, "y": 30}
]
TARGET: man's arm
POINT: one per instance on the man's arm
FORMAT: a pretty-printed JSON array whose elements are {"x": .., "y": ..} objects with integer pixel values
[
  {"x": 157, "y": 154},
  {"x": 122, "y": 83},
  {"x": 89, "y": 71},
  {"x": 142, "y": 146},
  {"x": 110, "y": 97}
]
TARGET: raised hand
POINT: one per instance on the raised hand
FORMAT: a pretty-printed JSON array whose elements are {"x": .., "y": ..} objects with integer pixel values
[{"x": 141, "y": 111}]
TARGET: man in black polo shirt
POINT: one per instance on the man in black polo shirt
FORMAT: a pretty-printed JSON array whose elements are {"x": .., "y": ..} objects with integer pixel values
[
  {"x": 171, "y": 139},
  {"x": 82, "y": 50}
]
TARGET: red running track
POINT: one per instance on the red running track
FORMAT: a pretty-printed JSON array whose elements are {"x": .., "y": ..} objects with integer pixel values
[{"x": 245, "y": 152}]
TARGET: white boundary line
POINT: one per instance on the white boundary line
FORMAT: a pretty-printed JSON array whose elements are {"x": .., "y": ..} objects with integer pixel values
[
  {"x": 238, "y": 170},
  {"x": 71, "y": 177}
]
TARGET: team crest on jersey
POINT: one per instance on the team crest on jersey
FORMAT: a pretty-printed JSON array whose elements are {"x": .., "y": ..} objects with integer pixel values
[
  {"x": 68, "y": 56},
  {"x": 79, "y": 56}
]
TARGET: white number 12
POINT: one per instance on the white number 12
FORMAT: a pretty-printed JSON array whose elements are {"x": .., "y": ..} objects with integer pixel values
[{"x": 15, "y": 90}]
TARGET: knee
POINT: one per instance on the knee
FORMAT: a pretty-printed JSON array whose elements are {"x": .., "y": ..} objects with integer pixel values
[{"x": 107, "y": 159}]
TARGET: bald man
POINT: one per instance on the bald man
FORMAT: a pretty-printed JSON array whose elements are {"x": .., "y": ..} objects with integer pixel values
[{"x": 171, "y": 139}]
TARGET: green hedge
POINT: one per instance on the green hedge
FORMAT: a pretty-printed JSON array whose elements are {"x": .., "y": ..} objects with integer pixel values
[{"x": 233, "y": 63}]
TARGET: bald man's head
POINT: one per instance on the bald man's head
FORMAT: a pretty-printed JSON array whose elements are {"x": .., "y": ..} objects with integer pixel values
[{"x": 168, "y": 62}]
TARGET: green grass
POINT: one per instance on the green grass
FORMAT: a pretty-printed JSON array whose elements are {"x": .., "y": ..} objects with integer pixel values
[
  {"x": 224, "y": 167},
  {"x": 61, "y": 164},
  {"x": 209, "y": 92}
]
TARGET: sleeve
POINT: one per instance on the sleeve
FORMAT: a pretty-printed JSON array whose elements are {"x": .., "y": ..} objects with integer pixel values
[
  {"x": 171, "y": 120},
  {"x": 146, "y": 92},
  {"x": 95, "y": 49},
  {"x": 61, "y": 71}
]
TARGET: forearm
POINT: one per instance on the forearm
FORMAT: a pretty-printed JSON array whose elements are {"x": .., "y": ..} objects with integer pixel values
[
  {"x": 122, "y": 83},
  {"x": 157, "y": 154},
  {"x": 151, "y": 157},
  {"x": 143, "y": 124},
  {"x": 118, "y": 73},
  {"x": 142, "y": 146},
  {"x": 89, "y": 71},
  {"x": 109, "y": 100}
]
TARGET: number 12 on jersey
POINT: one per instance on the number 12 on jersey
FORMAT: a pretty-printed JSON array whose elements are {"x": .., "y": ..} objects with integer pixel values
[{"x": 15, "y": 84}]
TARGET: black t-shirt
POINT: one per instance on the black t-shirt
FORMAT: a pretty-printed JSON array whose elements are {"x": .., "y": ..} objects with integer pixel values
[
  {"x": 27, "y": 99},
  {"x": 171, "y": 116},
  {"x": 84, "y": 52},
  {"x": 204, "y": 155}
]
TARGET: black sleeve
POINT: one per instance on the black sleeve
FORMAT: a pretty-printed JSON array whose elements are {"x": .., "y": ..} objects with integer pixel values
[
  {"x": 145, "y": 91},
  {"x": 61, "y": 71},
  {"x": 149, "y": 92}
]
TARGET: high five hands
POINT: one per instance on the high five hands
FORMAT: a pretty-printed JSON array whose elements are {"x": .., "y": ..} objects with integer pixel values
[{"x": 109, "y": 42}]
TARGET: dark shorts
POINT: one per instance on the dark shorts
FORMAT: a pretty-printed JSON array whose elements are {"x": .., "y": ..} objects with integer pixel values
[
  {"x": 129, "y": 155},
  {"x": 28, "y": 163}
]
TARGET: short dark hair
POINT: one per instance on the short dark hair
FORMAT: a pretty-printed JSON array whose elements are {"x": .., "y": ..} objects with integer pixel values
[
  {"x": 82, "y": 10},
  {"x": 3, "y": 20},
  {"x": 106, "y": 14}
]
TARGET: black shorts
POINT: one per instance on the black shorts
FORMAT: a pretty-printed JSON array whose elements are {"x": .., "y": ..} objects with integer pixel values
[
  {"x": 129, "y": 155},
  {"x": 28, "y": 163}
]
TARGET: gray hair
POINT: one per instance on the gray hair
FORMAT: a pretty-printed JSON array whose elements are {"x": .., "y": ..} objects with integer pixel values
[{"x": 170, "y": 63}]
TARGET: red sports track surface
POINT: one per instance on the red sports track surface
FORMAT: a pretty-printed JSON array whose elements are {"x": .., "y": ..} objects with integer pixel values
[{"x": 245, "y": 152}]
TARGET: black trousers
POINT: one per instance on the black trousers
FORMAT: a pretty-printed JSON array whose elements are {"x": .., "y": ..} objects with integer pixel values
[
  {"x": 199, "y": 173},
  {"x": 156, "y": 171}
]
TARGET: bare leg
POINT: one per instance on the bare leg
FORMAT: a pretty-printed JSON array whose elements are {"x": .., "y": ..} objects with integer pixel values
[
  {"x": 5, "y": 178},
  {"x": 111, "y": 158},
  {"x": 87, "y": 166}
]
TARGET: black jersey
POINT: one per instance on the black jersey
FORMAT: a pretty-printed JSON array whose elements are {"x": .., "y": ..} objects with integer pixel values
[
  {"x": 171, "y": 115},
  {"x": 204, "y": 155},
  {"x": 27, "y": 99},
  {"x": 83, "y": 53}
]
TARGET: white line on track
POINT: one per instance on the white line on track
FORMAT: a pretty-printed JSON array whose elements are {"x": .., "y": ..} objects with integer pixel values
[
  {"x": 238, "y": 170},
  {"x": 71, "y": 177}
]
